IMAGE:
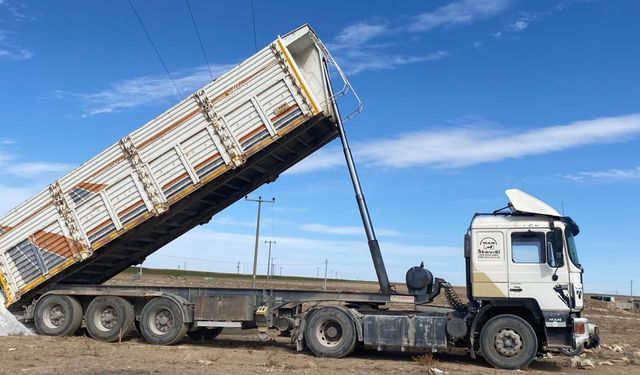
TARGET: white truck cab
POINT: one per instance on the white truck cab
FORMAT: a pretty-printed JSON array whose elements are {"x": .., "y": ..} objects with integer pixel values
[{"x": 523, "y": 261}]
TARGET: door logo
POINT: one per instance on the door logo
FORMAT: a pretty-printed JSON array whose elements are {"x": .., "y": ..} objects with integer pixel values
[{"x": 489, "y": 249}]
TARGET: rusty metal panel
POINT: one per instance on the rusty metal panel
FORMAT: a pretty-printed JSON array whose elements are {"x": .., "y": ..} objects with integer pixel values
[
  {"x": 405, "y": 331},
  {"x": 217, "y": 129},
  {"x": 235, "y": 308}
]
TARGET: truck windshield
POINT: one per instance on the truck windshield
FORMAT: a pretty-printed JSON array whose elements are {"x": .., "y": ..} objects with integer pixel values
[{"x": 571, "y": 248}]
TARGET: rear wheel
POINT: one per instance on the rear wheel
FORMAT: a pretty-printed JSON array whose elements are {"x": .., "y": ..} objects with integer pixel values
[
  {"x": 161, "y": 322},
  {"x": 330, "y": 332},
  {"x": 57, "y": 315},
  {"x": 508, "y": 342},
  {"x": 109, "y": 318}
]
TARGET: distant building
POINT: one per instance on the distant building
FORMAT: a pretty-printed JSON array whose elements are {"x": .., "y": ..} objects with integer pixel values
[{"x": 605, "y": 298}]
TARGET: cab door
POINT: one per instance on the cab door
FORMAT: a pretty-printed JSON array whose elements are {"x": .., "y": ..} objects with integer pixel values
[{"x": 532, "y": 272}]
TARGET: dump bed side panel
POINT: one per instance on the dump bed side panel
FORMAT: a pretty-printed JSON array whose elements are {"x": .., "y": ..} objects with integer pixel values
[{"x": 205, "y": 136}]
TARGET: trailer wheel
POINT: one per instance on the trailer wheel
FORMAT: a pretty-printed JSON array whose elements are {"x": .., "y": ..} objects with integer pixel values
[
  {"x": 161, "y": 322},
  {"x": 206, "y": 334},
  {"x": 330, "y": 332},
  {"x": 109, "y": 318},
  {"x": 57, "y": 315},
  {"x": 508, "y": 342}
]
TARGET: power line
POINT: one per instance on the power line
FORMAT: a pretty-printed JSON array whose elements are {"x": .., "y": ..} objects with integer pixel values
[
  {"x": 253, "y": 19},
  {"x": 154, "y": 48},
  {"x": 199, "y": 39}
]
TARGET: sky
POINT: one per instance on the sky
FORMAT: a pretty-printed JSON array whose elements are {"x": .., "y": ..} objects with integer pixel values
[{"x": 462, "y": 100}]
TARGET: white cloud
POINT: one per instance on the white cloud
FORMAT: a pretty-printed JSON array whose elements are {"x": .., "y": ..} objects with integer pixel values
[
  {"x": 358, "y": 34},
  {"x": 519, "y": 25},
  {"x": 10, "y": 167},
  {"x": 13, "y": 196},
  {"x": 357, "y": 61},
  {"x": 15, "y": 53},
  {"x": 35, "y": 169},
  {"x": 362, "y": 47},
  {"x": 467, "y": 145},
  {"x": 526, "y": 19},
  {"x": 610, "y": 174},
  {"x": 9, "y": 50},
  {"x": 458, "y": 13},
  {"x": 371, "y": 45},
  {"x": 344, "y": 230},
  {"x": 142, "y": 91}
]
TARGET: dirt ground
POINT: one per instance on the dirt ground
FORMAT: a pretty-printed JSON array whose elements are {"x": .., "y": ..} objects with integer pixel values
[{"x": 240, "y": 352}]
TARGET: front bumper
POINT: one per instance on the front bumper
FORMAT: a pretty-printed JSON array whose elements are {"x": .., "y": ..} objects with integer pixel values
[
  {"x": 594, "y": 337},
  {"x": 585, "y": 334}
]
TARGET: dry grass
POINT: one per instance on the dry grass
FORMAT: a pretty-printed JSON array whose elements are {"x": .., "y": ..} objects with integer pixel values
[
  {"x": 426, "y": 360},
  {"x": 271, "y": 358}
]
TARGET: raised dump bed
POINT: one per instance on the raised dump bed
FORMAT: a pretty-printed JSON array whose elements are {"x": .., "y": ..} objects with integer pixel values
[{"x": 173, "y": 173}]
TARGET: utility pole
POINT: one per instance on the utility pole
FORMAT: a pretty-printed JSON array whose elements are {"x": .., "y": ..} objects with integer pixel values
[
  {"x": 318, "y": 272},
  {"x": 631, "y": 285},
  {"x": 326, "y": 263},
  {"x": 273, "y": 267},
  {"x": 260, "y": 201},
  {"x": 185, "y": 265},
  {"x": 280, "y": 270},
  {"x": 269, "y": 260},
  {"x": 238, "y": 267}
]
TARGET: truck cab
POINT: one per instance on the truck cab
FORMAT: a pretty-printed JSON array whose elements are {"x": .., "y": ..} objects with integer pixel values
[{"x": 522, "y": 260}]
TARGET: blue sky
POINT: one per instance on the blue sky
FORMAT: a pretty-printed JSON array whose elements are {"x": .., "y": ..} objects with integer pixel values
[{"x": 463, "y": 99}]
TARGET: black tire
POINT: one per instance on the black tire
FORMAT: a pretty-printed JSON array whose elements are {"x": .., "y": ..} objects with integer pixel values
[
  {"x": 109, "y": 318},
  {"x": 508, "y": 342},
  {"x": 570, "y": 352},
  {"x": 330, "y": 332},
  {"x": 57, "y": 315},
  {"x": 206, "y": 334},
  {"x": 161, "y": 322}
]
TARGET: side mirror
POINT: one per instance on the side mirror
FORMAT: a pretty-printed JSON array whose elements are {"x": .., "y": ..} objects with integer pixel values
[
  {"x": 467, "y": 246},
  {"x": 555, "y": 246}
]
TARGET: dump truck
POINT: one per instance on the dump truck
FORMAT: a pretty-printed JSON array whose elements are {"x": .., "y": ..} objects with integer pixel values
[{"x": 523, "y": 284}]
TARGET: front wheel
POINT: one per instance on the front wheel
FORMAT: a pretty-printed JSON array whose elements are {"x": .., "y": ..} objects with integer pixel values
[
  {"x": 570, "y": 352},
  {"x": 330, "y": 332},
  {"x": 508, "y": 342}
]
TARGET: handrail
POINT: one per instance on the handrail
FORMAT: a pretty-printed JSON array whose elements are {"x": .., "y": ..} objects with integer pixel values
[{"x": 346, "y": 84}]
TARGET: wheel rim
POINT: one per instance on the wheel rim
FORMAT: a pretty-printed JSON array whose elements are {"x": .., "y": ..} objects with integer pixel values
[
  {"x": 329, "y": 333},
  {"x": 106, "y": 319},
  {"x": 161, "y": 322},
  {"x": 53, "y": 316},
  {"x": 508, "y": 343}
]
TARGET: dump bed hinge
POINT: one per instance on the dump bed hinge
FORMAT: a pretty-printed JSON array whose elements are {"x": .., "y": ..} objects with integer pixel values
[
  {"x": 227, "y": 144},
  {"x": 79, "y": 244},
  {"x": 131, "y": 152}
]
